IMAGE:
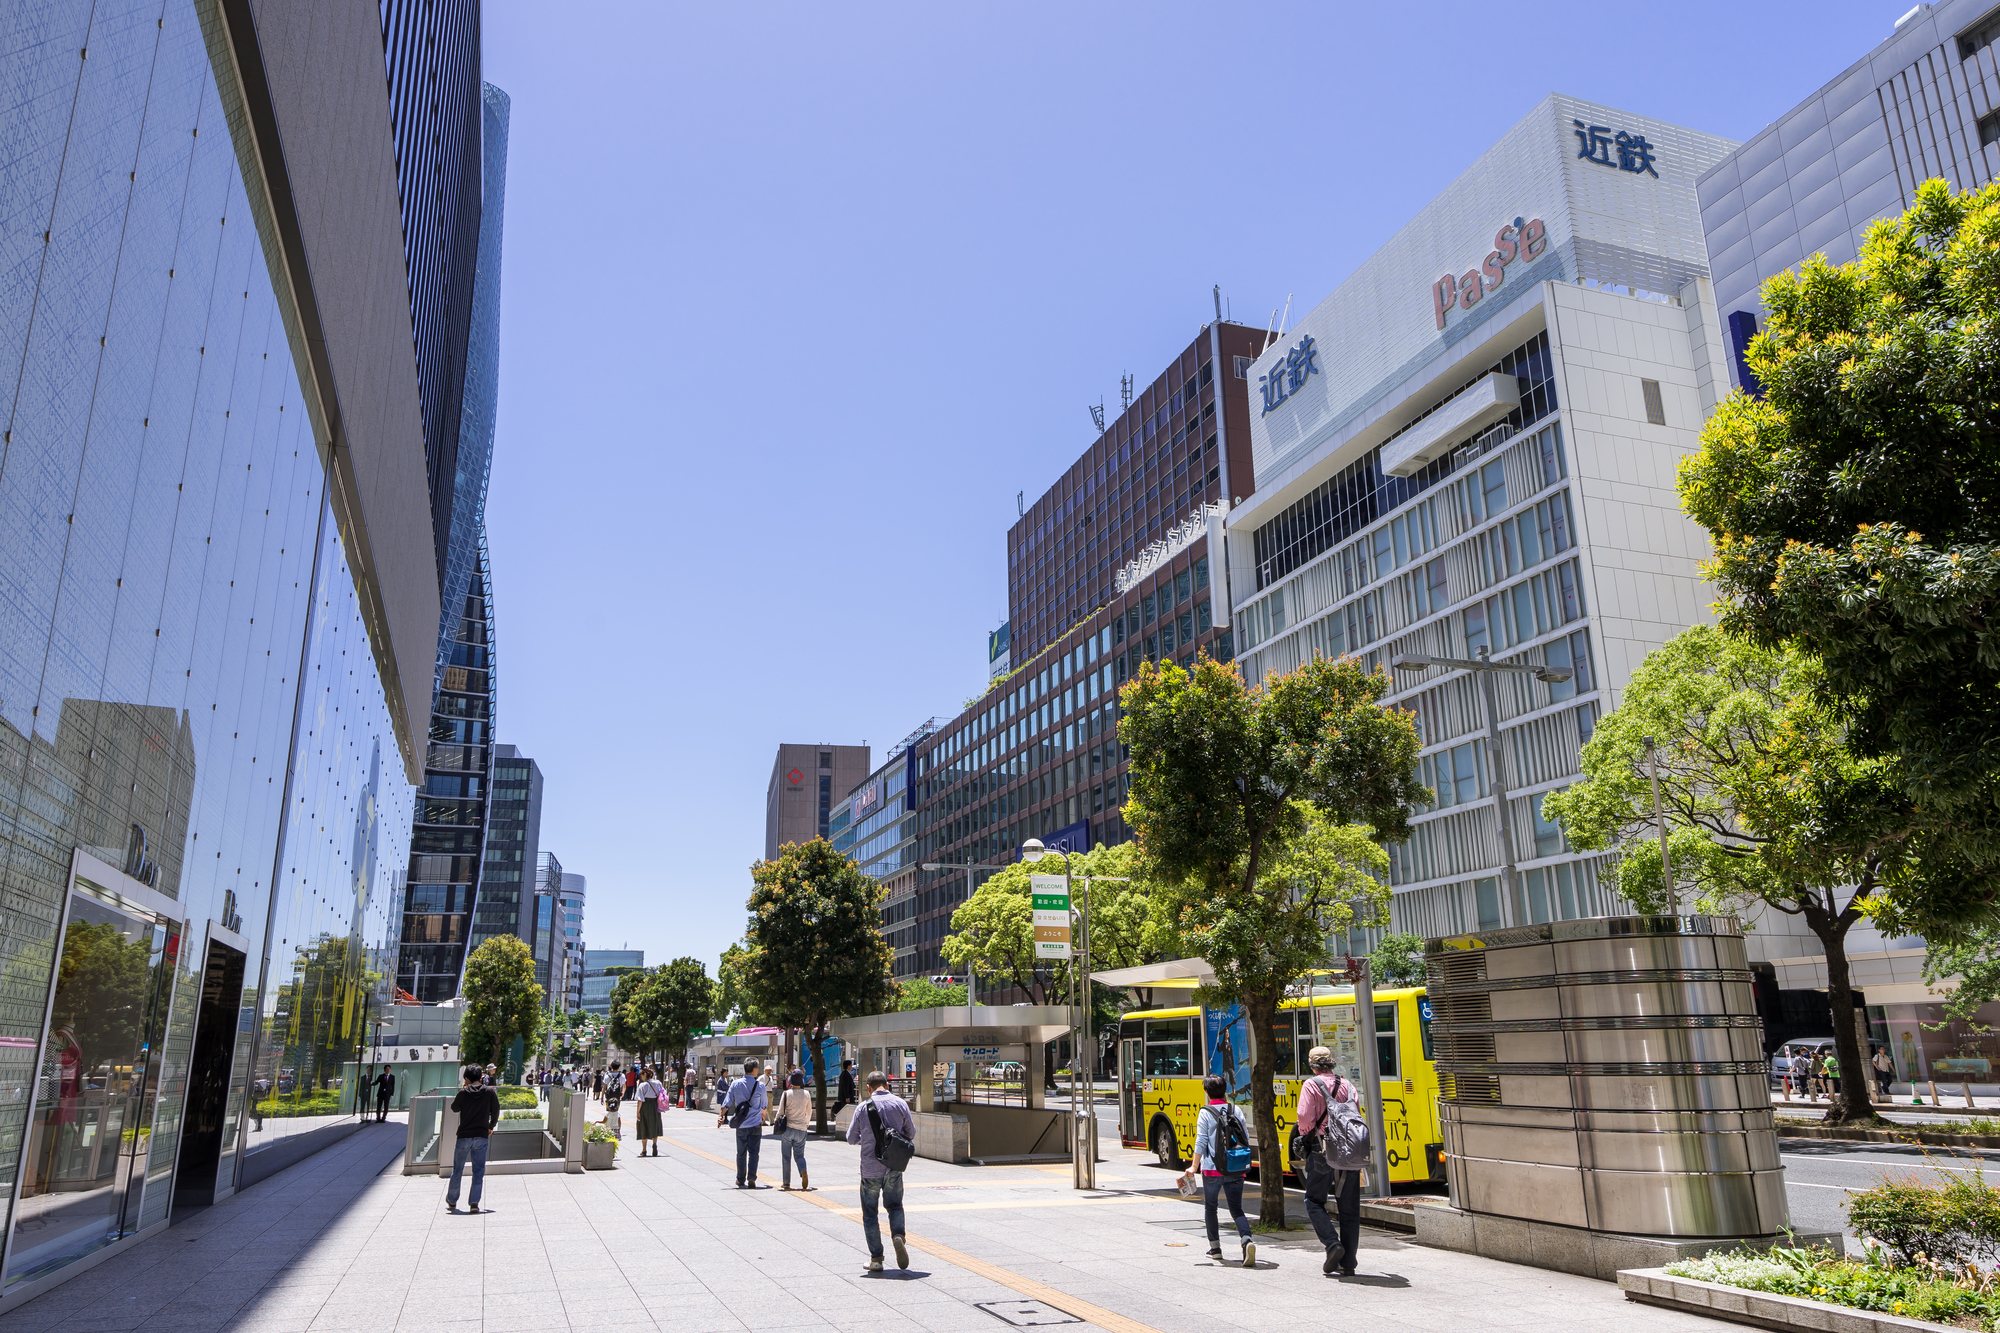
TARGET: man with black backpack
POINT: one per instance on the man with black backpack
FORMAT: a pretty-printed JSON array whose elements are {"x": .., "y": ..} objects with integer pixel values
[
  {"x": 1332, "y": 1140},
  {"x": 887, "y": 1133}
]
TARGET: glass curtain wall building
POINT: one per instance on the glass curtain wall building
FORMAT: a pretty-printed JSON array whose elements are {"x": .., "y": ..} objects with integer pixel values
[
  {"x": 876, "y": 825},
  {"x": 513, "y": 845},
  {"x": 547, "y": 942},
  {"x": 447, "y": 845},
  {"x": 218, "y": 607},
  {"x": 1489, "y": 466},
  {"x": 601, "y": 969},
  {"x": 569, "y": 908},
  {"x": 1108, "y": 568}
]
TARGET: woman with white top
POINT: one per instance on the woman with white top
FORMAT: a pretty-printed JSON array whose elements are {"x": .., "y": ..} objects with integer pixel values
[
  {"x": 649, "y": 1092},
  {"x": 795, "y": 1110}
]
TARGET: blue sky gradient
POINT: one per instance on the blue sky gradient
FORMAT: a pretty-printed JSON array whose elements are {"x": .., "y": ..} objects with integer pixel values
[{"x": 798, "y": 297}]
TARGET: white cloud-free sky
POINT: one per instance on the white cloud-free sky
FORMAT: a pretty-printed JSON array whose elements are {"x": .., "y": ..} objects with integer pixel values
[{"x": 797, "y": 297}]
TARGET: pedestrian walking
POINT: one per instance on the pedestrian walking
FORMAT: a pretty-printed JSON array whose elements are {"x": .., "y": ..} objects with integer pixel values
[
  {"x": 1815, "y": 1076},
  {"x": 1325, "y": 1094},
  {"x": 1885, "y": 1073},
  {"x": 492, "y": 1077},
  {"x": 478, "y": 1107},
  {"x": 1832, "y": 1075},
  {"x": 385, "y": 1092},
  {"x": 846, "y": 1097},
  {"x": 597, "y": 1085},
  {"x": 614, "y": 1089},
  {"x": 742, "y": 1109},
  {"x": 651, "y": 1093},
  {"x": 1219, "y": 1128},
  {"x": 794, "y": 1114},
  {"x": 687, "y": 1088},
  {"x": 881, "y": 1117}
]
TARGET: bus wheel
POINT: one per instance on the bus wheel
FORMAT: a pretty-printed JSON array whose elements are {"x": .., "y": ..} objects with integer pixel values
[{"x": 1165, "y": 1148}]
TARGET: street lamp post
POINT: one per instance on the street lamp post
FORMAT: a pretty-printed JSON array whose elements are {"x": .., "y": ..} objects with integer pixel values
[
  {"x": 971, "y": 977},
  {"x": 1484, "y": 668},
  {"x": 1083, "y": 1149}
]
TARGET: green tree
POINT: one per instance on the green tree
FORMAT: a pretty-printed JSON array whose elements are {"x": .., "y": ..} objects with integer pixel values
[
  {"x": 618, "y": 1025},
  {"x": 1398, "y": 960},
  {"x": 993, "y": 931},
  {"x": 922, "y": 993},
  {"x": 1764, "y": 801},
  {"x": 1258, "y": 811},
  {"x": 673, "y": 1005},
  {"x": 1853, "y": 515},
  {"x": 815, "y": 944},
  {"x": 502, "y": 1000},
  {"x": 729, "y": 992}
]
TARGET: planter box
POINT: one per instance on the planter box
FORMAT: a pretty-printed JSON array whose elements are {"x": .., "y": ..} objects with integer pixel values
[
  {"x": 599, "y": 1156},
  {"x": 1787, "y": 1314}
]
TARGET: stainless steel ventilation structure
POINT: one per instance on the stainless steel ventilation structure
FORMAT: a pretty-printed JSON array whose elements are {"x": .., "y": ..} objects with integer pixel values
[{"x": 1607, "y": 1074}]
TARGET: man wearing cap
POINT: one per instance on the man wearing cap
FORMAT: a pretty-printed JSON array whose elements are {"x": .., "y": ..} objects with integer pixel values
[{"x": 1324, "y": 1088}]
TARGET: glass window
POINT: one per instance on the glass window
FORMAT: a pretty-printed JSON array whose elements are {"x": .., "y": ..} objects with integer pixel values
[
  {"x": 1493, "y": 482},
  {"x": 1284, "y": 1045},
  {"x": 1486, "y": 894},
  {"x": 1550, "y": 443},
  {"x": 1201, "y": 574},
  {"x": 1187, "y": 626},
  {"x": 1384, "y": 554},
  {"x": 1399, "y": 536},
  {"x": 1181, "y": 589},
  {"x": 1466, "y": 782},
  {"x": 1476, "y": 636},
  {"x": 1548, "y": 833},
  {"x": 1557, "y": 654},
  {"x": 1202, "y": 622},
  {"x": 1146, "y": 605},
  {"x": 1167, "y": 1047},
  {"x": 1386, "y": 1046}
]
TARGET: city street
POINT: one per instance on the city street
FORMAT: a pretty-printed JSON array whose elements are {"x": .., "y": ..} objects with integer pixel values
[{"x": 345, "y": 1241}]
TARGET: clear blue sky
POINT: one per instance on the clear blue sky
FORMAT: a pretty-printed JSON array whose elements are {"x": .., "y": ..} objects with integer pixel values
[{"x": 797, "y": 297}]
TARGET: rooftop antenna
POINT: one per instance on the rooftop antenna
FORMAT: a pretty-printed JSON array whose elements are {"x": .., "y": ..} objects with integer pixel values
[
  {"x": 1218, "y": 303},
  {"x": 1124, "y": 393},
  {"x": 1270, "y": 333},
  {"x": 1286, "y": 317},
  {"x": 1097, "y": 416},
  {"x": 1020, "y": 504}
]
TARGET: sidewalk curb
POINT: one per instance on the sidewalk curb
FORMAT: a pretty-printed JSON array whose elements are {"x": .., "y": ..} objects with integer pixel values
[
  {"x": 1889, "y": 1136},
  {"x": 1787, "y": 1314}
]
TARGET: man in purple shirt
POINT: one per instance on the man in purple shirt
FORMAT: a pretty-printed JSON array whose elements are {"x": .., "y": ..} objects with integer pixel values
[{"x": 879, "y": 1185}]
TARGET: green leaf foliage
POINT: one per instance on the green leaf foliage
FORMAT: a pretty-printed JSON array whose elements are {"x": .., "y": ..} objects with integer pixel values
[
  {"x": 1855, "y": 510},
  {"x": 502, "y": 999},
  {"x": 670, "y": 1005},
  {"x": 992, "y": 932},
  {"x": 814, "y": 949},
  {"x": 1398, "y": 960},
  {"x": 923, "y": 993},
  {"x": 1259, "y": 814},
  {"x": 1764, "y": 799}
]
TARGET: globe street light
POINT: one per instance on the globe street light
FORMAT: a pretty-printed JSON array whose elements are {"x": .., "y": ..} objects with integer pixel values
[{"x": 1484, "y": 668}]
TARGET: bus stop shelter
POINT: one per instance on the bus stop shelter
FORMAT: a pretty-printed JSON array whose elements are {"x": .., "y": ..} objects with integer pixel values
[{"x": 949, "y": 1043}]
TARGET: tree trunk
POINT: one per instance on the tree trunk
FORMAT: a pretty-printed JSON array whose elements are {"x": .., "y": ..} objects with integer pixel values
[
  {"x": 1262, "y": 1011},
  {"x": 1855, "y": 1103}
]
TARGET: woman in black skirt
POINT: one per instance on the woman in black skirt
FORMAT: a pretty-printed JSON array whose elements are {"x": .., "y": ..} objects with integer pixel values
[{"x": 648, "y": 1093}]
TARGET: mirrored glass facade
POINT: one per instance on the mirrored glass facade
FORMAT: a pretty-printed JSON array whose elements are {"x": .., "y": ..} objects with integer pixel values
[{"x": 204, "y": 803}]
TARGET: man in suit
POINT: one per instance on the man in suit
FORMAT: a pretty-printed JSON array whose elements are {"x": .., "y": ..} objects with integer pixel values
[
  {"x": 385, "y": 1092},
  {"x": 846, "y": 1097}
]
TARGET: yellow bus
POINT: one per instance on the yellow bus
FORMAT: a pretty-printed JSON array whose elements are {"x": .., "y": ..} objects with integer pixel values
[{"x": 1163, "y": 1055}]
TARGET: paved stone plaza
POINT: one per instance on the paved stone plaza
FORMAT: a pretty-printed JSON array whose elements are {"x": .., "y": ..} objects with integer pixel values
[{"x": 344, "y": 1241}]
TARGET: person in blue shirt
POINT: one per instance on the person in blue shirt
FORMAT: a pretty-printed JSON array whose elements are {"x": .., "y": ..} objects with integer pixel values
[
  {"x": 1213, "y": 1126},
  {"x": 743, "y": 1111}
]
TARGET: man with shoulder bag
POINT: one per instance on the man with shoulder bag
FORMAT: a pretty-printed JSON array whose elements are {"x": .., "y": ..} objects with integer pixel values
[
  {"x": 1329, "y": 1150},
  {"x": 742, "y": 1109},
  {"x": 887, "y": 1133}
]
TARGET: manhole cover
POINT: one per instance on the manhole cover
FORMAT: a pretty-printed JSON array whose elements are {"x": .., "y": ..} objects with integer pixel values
[{"x": 1024, "y": 1314}]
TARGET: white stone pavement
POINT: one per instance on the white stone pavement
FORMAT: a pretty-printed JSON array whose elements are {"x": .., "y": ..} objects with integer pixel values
[{"x": 344, "y": 1241}]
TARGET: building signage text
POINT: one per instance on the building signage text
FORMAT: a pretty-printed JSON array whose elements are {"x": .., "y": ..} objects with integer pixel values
[
  {"x": 1599, "y": 143},
  {"x": 1519, "y": 239},
  {"x": 1290, "y": 375},
  {"x": 1049, "y": 903},
  {"x": 865, "y": 799}
]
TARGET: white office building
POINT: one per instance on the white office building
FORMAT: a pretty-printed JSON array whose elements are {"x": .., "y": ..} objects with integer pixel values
[{"x": 1471, "y": 444}]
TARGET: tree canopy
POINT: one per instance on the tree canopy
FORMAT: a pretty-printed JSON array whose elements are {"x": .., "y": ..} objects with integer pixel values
[
  {"x": 1854, "y": 517},
  {"x": 923, "y": 993},
  {"x": 814, "y": 949},
  {"x": 502, "y": 999},
  {"x": 992, "y": 932},
  {"x": 1764, "y": 801},
  {"x": 1398, "y": 960},
  {"x": 671, "y": 1005},
  {"x": 1258, "y": 812}
]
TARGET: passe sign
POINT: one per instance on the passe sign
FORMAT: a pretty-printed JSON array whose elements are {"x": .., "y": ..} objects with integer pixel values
[{"x": 1524, "y": 239}]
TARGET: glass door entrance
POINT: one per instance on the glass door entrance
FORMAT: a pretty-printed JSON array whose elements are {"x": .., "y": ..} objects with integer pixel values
[
  {"x": 1132, "y": 1067},
  {"x": 84, "y": 1167}
]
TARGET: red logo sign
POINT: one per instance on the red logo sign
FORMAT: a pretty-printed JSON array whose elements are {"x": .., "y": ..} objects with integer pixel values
[
  {"x": 795, "y": 777},
  {"x": 1517, "y": 240}
]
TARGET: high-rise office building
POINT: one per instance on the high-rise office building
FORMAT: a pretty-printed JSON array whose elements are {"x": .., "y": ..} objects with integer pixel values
[
  {"x": 876, "y": 822},
  {"x": 547, "y": 941},
  {"x": 806, "y": 781},
  {"x": 601, "y": 970},
  {"x": 506, "y": 903},
  {"x": 1923, "y": 104},
  {"x": 569, "y": 910},
  {"x": 1110, "y": 567},
  {"x": 447, "y": 844},
  {"x": 219, "y": 601},
  {"x": 1469, "y": 447}
]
